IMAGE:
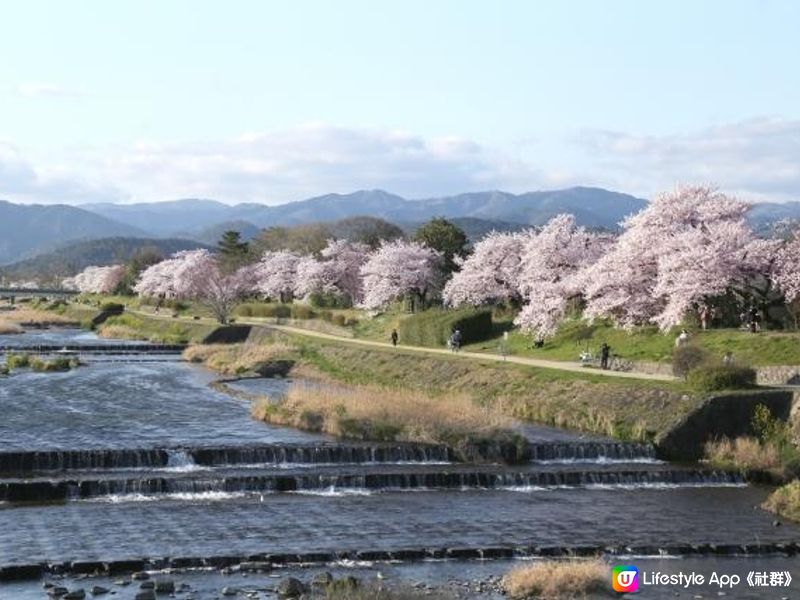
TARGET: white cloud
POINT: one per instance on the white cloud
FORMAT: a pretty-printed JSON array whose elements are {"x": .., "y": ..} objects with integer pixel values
[
  {"x": 22, "y": 182},
  {"x": 34, "y": 89},
  {"x": 757, "y": 158},
  {"x": 307, "y": 160}
]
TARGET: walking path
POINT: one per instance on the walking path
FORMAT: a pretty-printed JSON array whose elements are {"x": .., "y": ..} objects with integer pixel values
[{"x": 574, "y": 367}]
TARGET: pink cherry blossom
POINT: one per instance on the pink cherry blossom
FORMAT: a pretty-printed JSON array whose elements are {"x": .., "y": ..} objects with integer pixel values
[
  {"x": 277, "y": 275},
  {"x": 96, "y": 280},
  {"x": 684, "y": 248},
  {"x": 490, "y": 274},
  {"x": 552, "y": 266},
  {"x": 196, "y": 275},
  {"x": 400, "y": 268}
]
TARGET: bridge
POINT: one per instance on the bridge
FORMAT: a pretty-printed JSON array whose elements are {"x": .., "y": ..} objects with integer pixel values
[{"x": 13, "y": 293}]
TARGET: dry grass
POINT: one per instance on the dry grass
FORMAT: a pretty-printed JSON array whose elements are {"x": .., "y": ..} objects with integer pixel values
[
  {"x": 233, "y": 359},
  {"x": 785, "y": 501},
  {"x": 378, "y": 413},
  {"x": 36, "y": 317},
  {"x": 9, "y": 328},
  {"x": 558, "y": 579},
  {"x": 121, "y": 332},
  {"x": 744, "y": 453}
]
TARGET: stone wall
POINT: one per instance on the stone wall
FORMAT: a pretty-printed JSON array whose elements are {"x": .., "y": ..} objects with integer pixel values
[
  {"x": 778, "y": 375},
  {"x": 724, "y": 415}
]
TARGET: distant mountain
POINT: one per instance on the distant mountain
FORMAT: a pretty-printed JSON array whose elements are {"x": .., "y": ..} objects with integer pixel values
[
  {"x": 763, "y": 215},
  {"x": 73, "y": 258},
  {"x": 593, "y": 207},
  {"x": 211, "y": 235},
  {"x": 168, "y": 217},
  {"x": 27, "y": 230},
  {"x": 473, "y": 227}
]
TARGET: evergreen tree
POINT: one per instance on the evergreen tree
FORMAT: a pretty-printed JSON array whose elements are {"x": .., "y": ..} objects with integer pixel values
[
  {"x": 441, "y": 235},
  {"x": 233, "y": 251}
]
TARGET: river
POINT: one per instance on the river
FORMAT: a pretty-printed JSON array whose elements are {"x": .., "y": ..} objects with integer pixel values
[{"x": 136, "y": 459}]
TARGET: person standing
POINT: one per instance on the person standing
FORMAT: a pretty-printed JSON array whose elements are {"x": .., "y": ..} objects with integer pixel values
[
  {"x": 394, "y": 337},
  {"x": 605, "y": 351},
  {"x": 705, "y": 316}
]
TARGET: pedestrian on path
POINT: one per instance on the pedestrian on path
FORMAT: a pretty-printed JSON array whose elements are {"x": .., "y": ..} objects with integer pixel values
[
  {"x": 394, "y": 337},
  {"x": 605, "y": 351}
]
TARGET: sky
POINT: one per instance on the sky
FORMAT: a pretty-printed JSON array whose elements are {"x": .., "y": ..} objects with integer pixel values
[{"x": 267, "y": 101}]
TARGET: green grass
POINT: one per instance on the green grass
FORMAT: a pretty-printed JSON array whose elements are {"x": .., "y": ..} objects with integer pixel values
[
  {"x": 624, "y": 408},
  {"x": 649, "y": 344},
  {"x": 641, "y": 344}
]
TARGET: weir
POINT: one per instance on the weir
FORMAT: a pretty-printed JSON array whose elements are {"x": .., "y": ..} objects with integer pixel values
[
  {"x": 383, "y": 479},
  {"x": 26, "y": 462}
]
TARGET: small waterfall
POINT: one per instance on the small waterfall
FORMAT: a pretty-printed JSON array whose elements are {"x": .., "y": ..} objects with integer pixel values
[
  {"x": 73, "y": 460},
  {"x": 592, "y": 452},
  {"x": 23, "y": 462},
  {"x": 180, "y": 461},
  {"x": 23, "y": 490}
]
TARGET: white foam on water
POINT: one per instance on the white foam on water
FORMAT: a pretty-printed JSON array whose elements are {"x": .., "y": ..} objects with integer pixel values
[
  {"x": 335, "y": 492},
  {"x": 182, "y": 496},
  {"x": 600, "y": 460},
  {"x": 623, "y": 486}
]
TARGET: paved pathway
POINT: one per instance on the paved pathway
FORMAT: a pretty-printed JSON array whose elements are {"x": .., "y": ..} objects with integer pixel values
[{"x": 520, "y": 360}]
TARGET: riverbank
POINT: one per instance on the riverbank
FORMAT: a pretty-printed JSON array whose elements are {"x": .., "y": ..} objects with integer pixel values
[{"x": 625, "y": 406}]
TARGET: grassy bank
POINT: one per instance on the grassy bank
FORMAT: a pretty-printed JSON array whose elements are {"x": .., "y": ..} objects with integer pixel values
[
  {"x": 15, "y": 321},
  {"x": 785, "y": 501},
  {"x": 385, "y": 414},
  {"x": 627, "y": 409}
]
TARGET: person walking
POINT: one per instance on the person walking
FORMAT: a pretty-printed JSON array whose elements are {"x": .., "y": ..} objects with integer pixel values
[
  {"x": 705, "y": 316},
  {"x": 605, "y": 351},
  {"x": 394, "y": 337},
  {"x": 454, "y": 341}
]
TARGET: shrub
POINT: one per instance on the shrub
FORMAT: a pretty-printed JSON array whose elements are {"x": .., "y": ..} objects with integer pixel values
[
  {"x": 53, "y": 365},
  {"x": 685, "y": 358},
  {"x": 114, "y": 308},
  {"x": 433, "y": 327},
  {"x": 17, "y": 361},
  {"x": 301, "y": 311},
  {"x": 263, "y": 310},
  {"x": 4, "y": 370},
  {"x": 744, "y": 454},
  {"x": 557, "y": 579},
  {"x": 715, "y": 377},
  {"x": 340, "y": 320},
  {"x": 320, "y": 300}
]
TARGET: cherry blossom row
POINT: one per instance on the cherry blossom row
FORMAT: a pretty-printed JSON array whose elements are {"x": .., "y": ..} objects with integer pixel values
[{"x": 686, "y": 248}]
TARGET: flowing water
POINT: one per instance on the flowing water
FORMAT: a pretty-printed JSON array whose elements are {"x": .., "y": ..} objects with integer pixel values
[{"x": 138, "y": 460}]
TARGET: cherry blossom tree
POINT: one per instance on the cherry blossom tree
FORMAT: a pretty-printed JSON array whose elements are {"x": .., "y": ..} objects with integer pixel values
[
  {"x": 338, "y": 272},
  {"x": 277, "y": 274},
  {"x": 490, "y": 274},
  {"x": 399, "y": 269},
  {"x": 552, "y": 267},
  {"x": 197, "y": 275},
  {"x": 96, "y": 280},
  {"x": 685, "y": 248},
  {"x": 786, "y": 272}
]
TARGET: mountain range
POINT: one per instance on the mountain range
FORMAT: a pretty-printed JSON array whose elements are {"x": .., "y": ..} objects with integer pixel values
[{"x": 29, "y": 230}]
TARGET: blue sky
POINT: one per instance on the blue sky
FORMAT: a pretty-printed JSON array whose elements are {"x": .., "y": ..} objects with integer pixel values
[{"x": 275, "y": 101}]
